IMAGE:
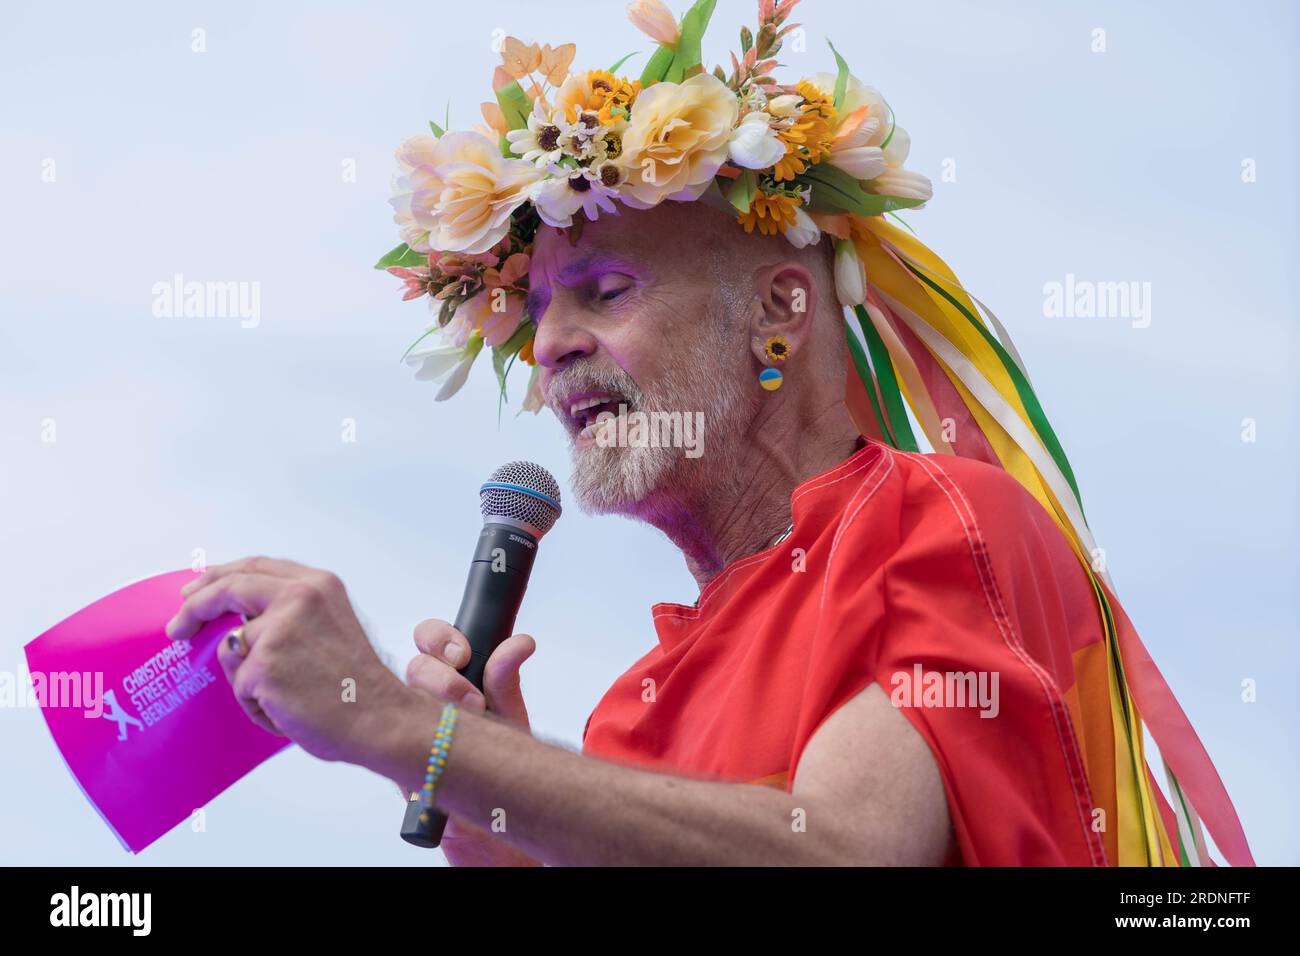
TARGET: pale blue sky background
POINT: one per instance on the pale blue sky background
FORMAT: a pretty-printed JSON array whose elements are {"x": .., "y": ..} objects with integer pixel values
[{"x": 176, "y": 434}]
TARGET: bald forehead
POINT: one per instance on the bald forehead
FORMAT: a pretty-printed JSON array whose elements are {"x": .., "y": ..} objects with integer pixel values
[{"x": 672, "y": 235}]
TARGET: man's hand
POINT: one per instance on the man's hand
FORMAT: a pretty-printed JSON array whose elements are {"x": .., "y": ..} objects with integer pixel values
[
  {"x": 443, "y": 649},
  {"x": 311, "y": 673}
]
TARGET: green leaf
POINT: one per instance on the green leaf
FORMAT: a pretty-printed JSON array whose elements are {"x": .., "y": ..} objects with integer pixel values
[
  {"x": 741, "y": 190},
  {"x": 694, "y": 22},
  {"x": 899, "y": 219},
  {"x": 878, "y": 205},
  {"x": 508, "y": 350},
  {"x": 515, "y": 104},
  {"x": 532, "y": 377},
  {"x": 614, "y": 68},
  {"x": 438, "y": 131},
  {"x": 884, "y": 143},
  {"x": 403, "y": 255},
  {"x": 427, "y": 332},
  {"x": 841, "y": 76},
  {"x": 658, "y": 66},
  {"x": 834, "y": 190}
]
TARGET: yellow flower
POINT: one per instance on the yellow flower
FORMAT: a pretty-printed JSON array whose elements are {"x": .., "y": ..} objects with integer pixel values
[
  {"x": 777, "y": 349},
  {"x": 599, "y": 92},
  {"x": 677, "y": 139},
  {"x": 815, "y": 101},
  {"x": 807, "y": 133},
  {"x": 771, "y": 212}
]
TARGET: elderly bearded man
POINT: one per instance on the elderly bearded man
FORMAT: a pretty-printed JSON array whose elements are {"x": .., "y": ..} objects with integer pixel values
[{"x": 895, "y": 658}]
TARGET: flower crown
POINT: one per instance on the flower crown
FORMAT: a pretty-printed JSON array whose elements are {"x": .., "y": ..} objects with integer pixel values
[{"x": 562, "y": 147}]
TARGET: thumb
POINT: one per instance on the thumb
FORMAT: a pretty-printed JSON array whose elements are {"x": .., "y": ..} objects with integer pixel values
[{"x": 501, "y": 685}]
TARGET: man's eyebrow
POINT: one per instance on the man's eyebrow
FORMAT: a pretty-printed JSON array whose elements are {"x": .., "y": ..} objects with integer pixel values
[{"x": 592, "y": 262}]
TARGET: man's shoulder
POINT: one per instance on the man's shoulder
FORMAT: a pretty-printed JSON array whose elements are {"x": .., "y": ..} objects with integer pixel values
[
  {"x": 953, "y": 490},
  {"x": 928, "y": 508}
]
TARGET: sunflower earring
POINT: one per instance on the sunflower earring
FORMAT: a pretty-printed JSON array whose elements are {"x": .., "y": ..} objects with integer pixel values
[{"x": 777, "y": 349}]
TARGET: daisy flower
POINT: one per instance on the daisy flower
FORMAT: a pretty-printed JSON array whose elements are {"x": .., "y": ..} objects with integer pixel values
[{"x": 541, "y": 141}]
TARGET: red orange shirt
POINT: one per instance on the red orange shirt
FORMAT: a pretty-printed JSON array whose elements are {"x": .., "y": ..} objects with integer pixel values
[{"x": 896, "y": 561}]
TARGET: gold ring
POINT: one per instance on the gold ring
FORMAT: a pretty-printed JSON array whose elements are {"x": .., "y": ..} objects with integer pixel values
[{"x": 236, "y": 642}]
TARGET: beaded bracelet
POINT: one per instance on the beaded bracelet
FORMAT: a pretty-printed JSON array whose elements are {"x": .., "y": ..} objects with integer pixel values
[{"x": 437, "y": 758}]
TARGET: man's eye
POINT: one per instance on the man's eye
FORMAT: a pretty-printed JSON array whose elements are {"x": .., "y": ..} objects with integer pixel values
[{"x": 609, "y": 291}]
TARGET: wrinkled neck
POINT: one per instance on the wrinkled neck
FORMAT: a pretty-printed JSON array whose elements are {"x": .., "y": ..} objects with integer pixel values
[{"x": 748, "y": 508}]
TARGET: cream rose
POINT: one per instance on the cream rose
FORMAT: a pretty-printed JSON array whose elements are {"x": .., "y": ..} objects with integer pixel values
[
  {"x": 460, "y": 195},
  {"x": 677, "y": 140}
]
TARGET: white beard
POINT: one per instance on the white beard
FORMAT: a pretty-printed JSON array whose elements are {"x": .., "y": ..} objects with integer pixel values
[{"x": 635, "y": 479}]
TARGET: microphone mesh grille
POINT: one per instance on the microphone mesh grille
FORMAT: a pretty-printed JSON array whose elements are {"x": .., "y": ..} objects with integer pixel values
[{"x": 520, "y": 505}]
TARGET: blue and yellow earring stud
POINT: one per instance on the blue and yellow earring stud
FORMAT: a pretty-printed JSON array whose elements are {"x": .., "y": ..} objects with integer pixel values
[{"x": 777, "y": 349}]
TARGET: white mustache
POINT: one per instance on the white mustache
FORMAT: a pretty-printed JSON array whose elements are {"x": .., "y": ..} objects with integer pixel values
[{"x": 580, "y": 378}]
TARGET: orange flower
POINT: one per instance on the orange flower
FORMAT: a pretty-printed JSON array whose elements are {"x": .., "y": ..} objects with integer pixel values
[
  {"x": 526, "y": 353},
  {"x": 771, "y": 212},
  {"x": 599, "y": 92},
  {"x": 808, "y": 135}
]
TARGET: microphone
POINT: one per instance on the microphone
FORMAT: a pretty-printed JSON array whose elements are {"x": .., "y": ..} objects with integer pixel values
[{"x": 520, "y": 503}]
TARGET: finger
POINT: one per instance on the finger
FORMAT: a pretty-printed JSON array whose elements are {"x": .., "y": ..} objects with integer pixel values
[
  {"x": 441, "y": 640},
  {"x": 275, "y": 567},
  {"x": 258, "y": 716},
  {"x": 248, "y": 594},
  {"x": 228, "y": 657},
  {"x": 440, "y": 679},
  {"x": 501, "y": 682},
  {"x": 246, "y": 678}
]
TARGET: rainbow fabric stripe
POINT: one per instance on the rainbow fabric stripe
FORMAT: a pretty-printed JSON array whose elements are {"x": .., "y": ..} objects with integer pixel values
[{"x": 924, "y": 346}]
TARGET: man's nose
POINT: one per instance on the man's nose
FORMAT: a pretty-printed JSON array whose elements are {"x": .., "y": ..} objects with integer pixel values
[{"x": 560, "y": 340}]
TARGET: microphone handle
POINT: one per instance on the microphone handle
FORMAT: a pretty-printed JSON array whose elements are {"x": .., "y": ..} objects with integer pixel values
[{"x": 498, "y": 577}]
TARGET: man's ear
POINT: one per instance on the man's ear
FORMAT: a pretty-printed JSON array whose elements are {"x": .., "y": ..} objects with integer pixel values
[{"x": 788, "y": 300}]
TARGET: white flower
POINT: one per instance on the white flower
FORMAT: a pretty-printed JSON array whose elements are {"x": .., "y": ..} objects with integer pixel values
[
  {"x": 860, "y": 148},
  {"x": 785, "y": 105},
  {"x": 445, "y": 364},
  {"x": 754, "y": 144},
  {"x": 804, "y": 232},
  {"x": 416, "y": 151},
  {"x": 655, "y": 20},
  {"x": 461, "y": 196},
  {"x": 585, "y": 138},
  {"x": 904, "y": 184},
  {"x": 540, "y": 141},
  {"x": 850, "y": 274},
  {"x": 558, "y": 197}
]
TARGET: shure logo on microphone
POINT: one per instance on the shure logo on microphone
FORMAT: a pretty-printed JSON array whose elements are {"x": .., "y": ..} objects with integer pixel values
[
  {"x": 524, "y": 541},
  {"x": 102, "y": 909}
]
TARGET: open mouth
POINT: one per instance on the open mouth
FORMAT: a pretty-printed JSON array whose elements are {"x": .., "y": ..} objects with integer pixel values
[{"x": 585, "y": 411}]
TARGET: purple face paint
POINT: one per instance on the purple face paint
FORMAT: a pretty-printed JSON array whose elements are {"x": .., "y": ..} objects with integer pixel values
[{"x": 155, "y": 732}]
